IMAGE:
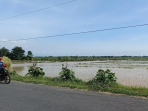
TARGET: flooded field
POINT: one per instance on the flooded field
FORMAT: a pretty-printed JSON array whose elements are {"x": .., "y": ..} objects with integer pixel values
[{"x": 131, "y": 73}]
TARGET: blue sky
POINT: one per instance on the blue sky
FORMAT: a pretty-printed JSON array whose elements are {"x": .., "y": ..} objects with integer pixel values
[{"x": 78, "y": 16}]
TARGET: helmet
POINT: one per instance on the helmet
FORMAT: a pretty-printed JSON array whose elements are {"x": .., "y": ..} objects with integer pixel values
[{"x": 0, "y": 58}]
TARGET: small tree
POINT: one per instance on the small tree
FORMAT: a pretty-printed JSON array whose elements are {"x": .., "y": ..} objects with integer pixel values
[
  {"x": 104, "y": 78},
  {"x": 29, "y": 55},
  {"x": 4, "y": 52},
  {"x": 67, "y": 74},
  {"x": 35, "y": 71},
  {"x": 17, "y": 53}
]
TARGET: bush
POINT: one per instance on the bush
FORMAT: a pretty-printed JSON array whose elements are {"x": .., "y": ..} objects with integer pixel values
[
  {"x": 13, "y": 73},
  {"x": 104, "y": 78},
  {"x": 67, "y": 74},
  {"x": 35, "y": 71}
]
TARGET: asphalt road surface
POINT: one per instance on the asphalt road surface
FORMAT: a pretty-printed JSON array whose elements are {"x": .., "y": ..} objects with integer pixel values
[{"x": 18, "y": 96}]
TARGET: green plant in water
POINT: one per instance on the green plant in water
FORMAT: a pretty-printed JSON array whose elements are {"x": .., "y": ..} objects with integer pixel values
[
  {"x": 67, "y": 74},
  {"x": 35, "y": 71},
  {"x": 104, "y": 78}
]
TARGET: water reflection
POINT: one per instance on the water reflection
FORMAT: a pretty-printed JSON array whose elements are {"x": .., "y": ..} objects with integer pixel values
[
  {"x": 18, "y": 69},
  {"x": 21, "y": 70}
]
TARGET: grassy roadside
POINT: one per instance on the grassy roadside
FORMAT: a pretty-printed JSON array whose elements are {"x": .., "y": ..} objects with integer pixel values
[{"x": 116, "y": 88}]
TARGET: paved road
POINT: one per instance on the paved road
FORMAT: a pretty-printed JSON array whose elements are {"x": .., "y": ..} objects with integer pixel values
[{"x": 19, "y": 96}]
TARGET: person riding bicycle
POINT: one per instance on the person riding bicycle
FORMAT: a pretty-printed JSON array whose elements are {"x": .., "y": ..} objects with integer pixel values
[{"x": 2, "y": 65}]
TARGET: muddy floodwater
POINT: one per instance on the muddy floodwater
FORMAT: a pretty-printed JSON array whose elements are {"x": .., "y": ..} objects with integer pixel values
[{"x": 131, "y": 73}]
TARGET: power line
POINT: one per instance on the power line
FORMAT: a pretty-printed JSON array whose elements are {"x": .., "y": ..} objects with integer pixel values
[
  {"x": 76, "y": 33},
  {"x": 37, "y": 10}
]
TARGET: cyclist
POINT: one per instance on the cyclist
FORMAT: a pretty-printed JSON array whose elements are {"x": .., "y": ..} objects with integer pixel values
[{"x": 2, "y": 65}]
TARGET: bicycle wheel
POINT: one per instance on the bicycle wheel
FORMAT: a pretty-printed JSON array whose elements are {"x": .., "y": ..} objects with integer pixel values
[{"x": 7, "y": 78}]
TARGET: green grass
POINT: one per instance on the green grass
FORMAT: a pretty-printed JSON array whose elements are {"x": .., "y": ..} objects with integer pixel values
[{"x": 79, "y": 84}]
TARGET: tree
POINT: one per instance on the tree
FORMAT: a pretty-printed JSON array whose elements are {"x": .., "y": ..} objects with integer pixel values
[
  {"x": 29, "y": 55},
  {"x": 17, "y": 53},
  {"x": 4, "y": 52}
]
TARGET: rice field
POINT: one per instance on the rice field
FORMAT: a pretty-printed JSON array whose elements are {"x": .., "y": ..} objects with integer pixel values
[{"x": 130, "y": 73}]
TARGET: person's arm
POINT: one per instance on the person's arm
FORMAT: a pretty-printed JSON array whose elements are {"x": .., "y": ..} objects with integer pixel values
[{"x": 4, "y": 65}]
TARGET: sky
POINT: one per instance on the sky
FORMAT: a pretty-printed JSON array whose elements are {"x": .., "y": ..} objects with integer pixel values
[{"x": 73, "y": 17}]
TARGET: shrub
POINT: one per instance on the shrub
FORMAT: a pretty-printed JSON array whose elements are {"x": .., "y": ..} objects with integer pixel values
[
  {"x": 104, "y": 78},
  {"x": 67, "y": 74},
  {"x": 35, "y": 71},
  {"x": 13, "y": 73}
]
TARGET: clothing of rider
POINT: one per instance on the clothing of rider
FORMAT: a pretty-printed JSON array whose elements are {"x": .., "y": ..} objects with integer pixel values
[{"x": 1, "y": 64}]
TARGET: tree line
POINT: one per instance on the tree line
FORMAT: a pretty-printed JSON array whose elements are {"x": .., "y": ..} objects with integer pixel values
[
  {"x": 89, "y": 58},
  {"x": 16, "y": 53}
]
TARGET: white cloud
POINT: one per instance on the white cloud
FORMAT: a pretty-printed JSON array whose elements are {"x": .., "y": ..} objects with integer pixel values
[
  {"x": 24, "y": 41},
  {"x": 4, "y": 40},
  {"x": 14, "y": 41}
]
